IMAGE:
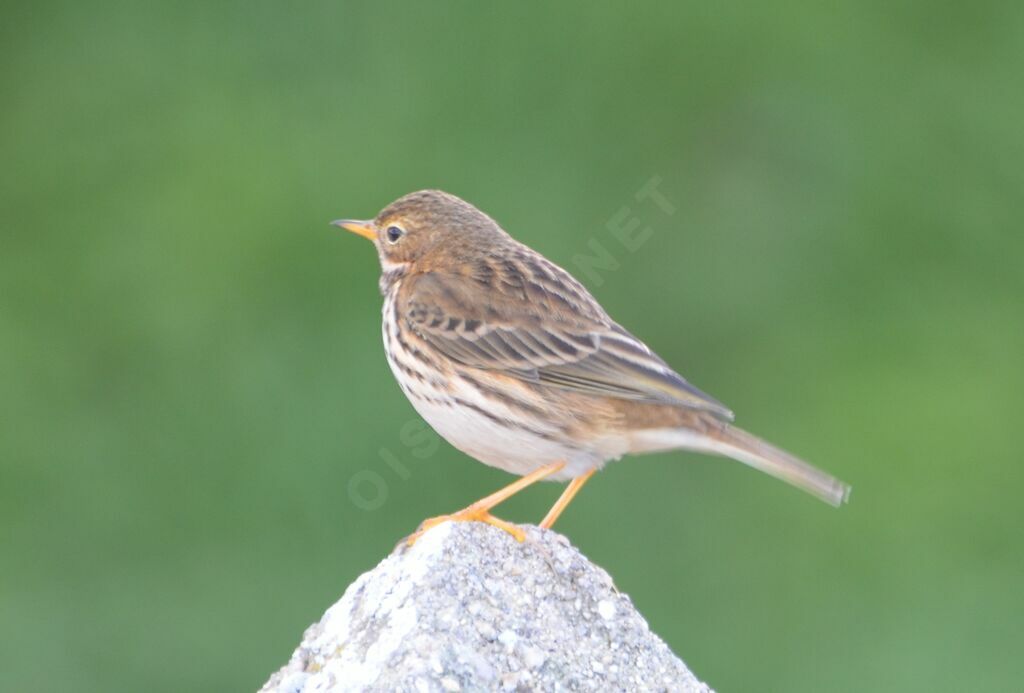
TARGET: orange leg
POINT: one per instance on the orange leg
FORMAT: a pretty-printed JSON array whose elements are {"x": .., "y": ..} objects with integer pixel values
[
  {"x": 563, "y": 501},
  {"x": 481, "y": 510}
]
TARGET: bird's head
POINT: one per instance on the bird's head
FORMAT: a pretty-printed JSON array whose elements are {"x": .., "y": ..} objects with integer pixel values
[{"x": 424, "y": 228}]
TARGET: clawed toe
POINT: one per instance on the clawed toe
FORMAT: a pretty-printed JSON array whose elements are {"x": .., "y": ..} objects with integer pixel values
[{"x": 470, "y": 514}]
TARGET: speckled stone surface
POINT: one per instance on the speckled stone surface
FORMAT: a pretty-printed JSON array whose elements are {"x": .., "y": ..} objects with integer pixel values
[{"x": 468, "y": 608}]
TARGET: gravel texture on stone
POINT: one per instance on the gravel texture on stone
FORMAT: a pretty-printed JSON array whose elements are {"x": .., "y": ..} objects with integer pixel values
[{"x": 468, "y": 608}]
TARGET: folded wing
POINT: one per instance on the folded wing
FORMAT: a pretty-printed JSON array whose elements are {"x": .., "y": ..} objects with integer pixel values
[{"x": 557, "y": 336}]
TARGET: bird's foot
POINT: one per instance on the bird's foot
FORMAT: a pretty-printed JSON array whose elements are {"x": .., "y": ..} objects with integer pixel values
[
  {"x": 470, "y": 514},
  {"x": 481, "y": 510}
]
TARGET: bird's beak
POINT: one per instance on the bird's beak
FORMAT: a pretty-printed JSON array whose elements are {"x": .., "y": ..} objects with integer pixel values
[{"x": 363, "y": 228}]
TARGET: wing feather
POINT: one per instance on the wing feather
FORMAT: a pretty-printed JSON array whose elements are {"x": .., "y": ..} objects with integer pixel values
[{"x": 522, "y": 328}]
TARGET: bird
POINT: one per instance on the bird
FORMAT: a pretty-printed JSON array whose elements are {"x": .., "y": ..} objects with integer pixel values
[{"x": 512, "y": 361}]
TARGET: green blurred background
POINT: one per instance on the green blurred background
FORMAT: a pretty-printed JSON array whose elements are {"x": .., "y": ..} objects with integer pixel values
[{"x": 190, "y": 362}]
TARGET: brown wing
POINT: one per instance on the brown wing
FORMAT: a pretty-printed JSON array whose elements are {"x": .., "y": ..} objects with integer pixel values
[{"x": 533, "y": 321}]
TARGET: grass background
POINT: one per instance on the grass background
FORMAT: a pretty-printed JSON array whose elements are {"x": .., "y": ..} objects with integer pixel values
[{"x": 190, "y": 361}]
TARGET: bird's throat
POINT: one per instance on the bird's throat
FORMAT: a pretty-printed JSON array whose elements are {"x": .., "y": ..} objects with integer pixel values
[{"x": 391, "y": 274}]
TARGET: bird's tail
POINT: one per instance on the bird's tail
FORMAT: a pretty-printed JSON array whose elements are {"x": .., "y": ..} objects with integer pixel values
[{"x": 729, "y": 441}]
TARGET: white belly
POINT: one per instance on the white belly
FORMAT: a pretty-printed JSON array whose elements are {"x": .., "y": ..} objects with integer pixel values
[
  {"x": 506, "y": 446},
  {"x": 488, "y": 430}
]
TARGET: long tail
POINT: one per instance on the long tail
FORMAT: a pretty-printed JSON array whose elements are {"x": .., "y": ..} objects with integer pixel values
[{"x": 744, "y": 447}]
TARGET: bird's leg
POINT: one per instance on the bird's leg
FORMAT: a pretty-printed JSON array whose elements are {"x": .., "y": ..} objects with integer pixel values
[
  {"x": 563, "y": 501},
  {"x": 481, "y": 510}
]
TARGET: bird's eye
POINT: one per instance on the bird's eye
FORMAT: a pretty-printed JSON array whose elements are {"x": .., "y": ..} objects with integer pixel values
[{"x": 394, "y": 233}]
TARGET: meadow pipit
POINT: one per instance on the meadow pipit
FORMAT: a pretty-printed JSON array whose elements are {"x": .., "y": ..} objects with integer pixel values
[{"x": 514, "y": 363}]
